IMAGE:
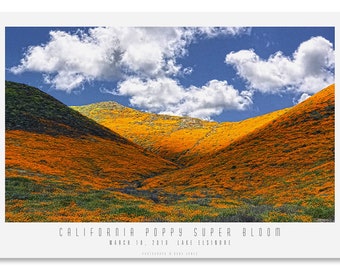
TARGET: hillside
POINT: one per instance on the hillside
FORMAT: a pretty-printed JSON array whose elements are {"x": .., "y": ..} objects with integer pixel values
[
  {"x": 183, "y": 140},
  {"x": 62, "y": 166},
  {"x": 29, "y": 109},
  {"x": 283, "y": 171},
  {"x": 55, "y": 156}
]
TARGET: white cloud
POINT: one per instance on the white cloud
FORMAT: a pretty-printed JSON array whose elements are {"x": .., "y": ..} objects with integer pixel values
[
  {"x": 142, "y": 60},
  {"x": 212, "y": 32},
  {"x": 166, "y": 96},
  {"x": 303, "y": 97},
  {"x": 310, "y": 69},
  {"x": 154, "y": 95},
  {"x": 66, "y": 81},
  {"x": 68, "y": 60}
]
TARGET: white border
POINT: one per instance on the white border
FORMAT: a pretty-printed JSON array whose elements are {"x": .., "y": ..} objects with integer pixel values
[
  {"x": 169, "y": 6},
  {"x": 41, "y": 240}
]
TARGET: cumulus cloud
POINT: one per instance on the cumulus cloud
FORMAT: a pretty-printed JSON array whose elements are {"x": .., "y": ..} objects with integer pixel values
[
  {"x": 142, "y": 60},
  {"x": 310, "y": 68},
  {"x": 167, "y": 96},
  {"x": 303, "y": 97},
  {"x": 212, "y": 32},
  {"x": 68, "y": 60}
]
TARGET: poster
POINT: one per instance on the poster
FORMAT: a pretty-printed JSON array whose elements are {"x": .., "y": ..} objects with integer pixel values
[{"x": 168, "y": 136}]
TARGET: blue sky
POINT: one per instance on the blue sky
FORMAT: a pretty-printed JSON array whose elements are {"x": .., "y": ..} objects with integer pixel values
[{"x": 221, "y": 74}]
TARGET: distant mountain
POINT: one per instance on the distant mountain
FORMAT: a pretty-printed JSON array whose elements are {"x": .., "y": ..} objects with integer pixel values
[{"x": 183, "y": 140}]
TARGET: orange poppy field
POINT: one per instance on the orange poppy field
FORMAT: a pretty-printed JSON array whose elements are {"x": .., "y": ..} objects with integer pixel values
[{"x": 105, "y": 162}]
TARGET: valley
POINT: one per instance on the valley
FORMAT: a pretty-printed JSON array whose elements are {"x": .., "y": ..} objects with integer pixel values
[{"x": 105, "y": 162}]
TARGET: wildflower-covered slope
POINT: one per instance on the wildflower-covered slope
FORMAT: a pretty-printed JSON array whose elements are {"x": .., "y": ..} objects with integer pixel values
[
  {"x": 61, "y": 166},
  {"x": 283, "y": 171},
  {"x": 183, "y": 140},
  {"x": 54, "y": 155}
]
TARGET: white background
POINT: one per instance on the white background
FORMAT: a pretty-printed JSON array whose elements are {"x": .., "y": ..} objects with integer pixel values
[{"x": 169, "y": 6}]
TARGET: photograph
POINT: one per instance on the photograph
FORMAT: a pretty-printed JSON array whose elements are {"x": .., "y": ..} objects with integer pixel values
[{"x": 170, "y": 124}]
